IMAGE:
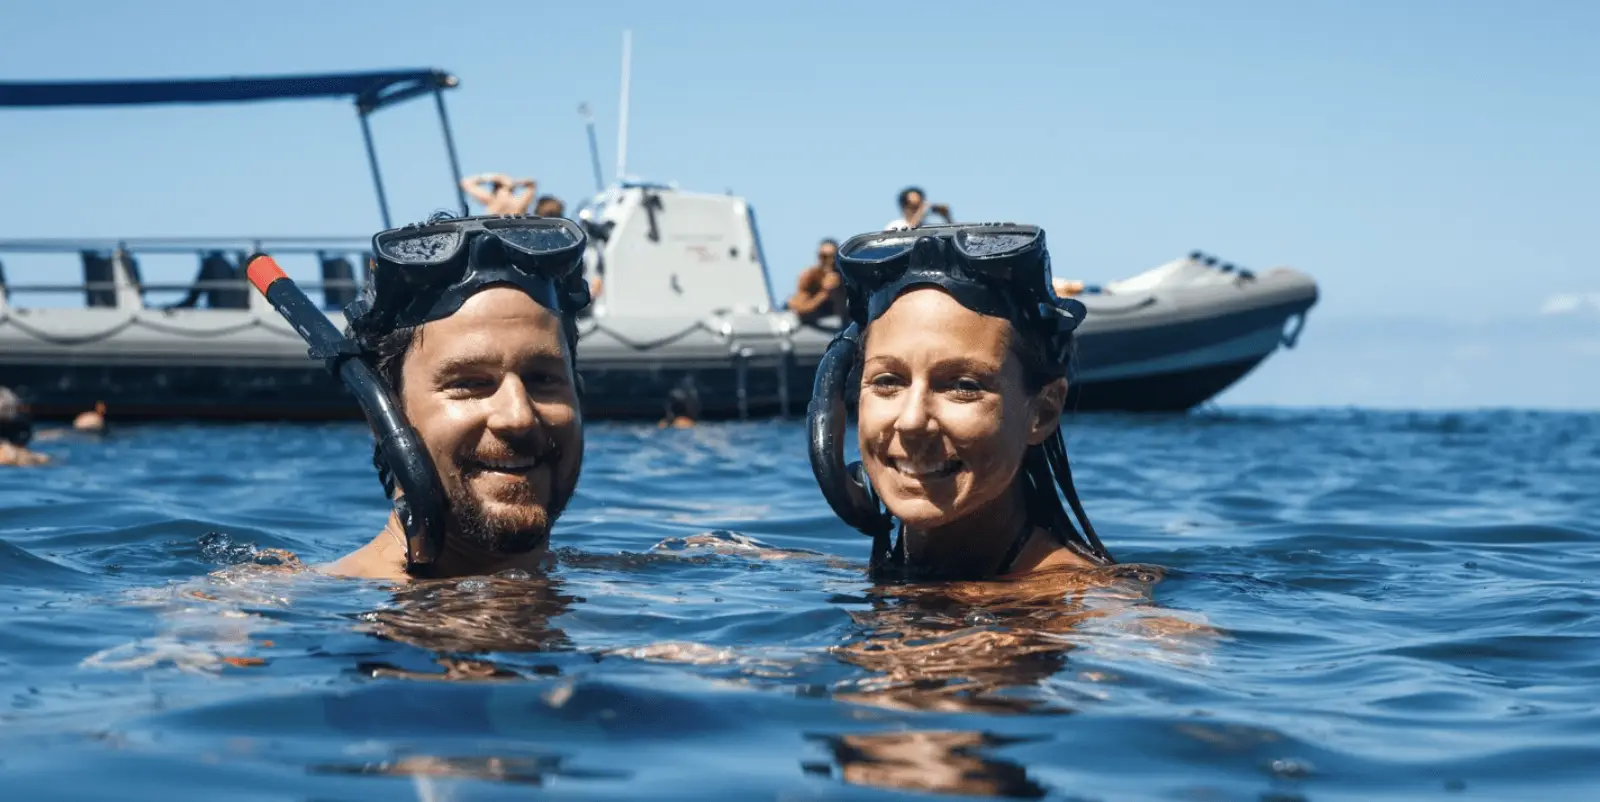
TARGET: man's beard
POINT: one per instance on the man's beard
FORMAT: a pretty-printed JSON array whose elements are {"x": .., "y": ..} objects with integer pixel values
[{"x": 525, "y": 529}]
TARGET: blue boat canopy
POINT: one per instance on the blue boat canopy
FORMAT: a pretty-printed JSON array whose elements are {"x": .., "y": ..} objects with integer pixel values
[{"x": 370, "y": 90}]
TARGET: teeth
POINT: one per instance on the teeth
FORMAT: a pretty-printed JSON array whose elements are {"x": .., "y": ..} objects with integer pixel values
[
  {"x": 510, "y": 465},
  {"x": 920, "y": 469}
]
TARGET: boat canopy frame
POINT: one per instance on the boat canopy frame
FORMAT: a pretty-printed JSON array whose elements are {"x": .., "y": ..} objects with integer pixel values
[{"x": 370, "y": 92}]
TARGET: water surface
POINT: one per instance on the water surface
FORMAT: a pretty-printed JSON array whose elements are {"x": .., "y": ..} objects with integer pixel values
[{"x": 1318, "y": 605}]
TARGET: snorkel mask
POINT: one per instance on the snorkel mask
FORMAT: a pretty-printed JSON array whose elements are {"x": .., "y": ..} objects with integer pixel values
[
  {"x": 998, "y": 270},
  {"x": 421, "y": 273}
]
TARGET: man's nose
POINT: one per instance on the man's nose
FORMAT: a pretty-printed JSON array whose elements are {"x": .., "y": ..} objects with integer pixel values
[{"x": 512, "y": 408}]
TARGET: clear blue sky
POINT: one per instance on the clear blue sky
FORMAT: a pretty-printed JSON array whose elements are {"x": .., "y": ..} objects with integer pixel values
[{"x": 1434, "y": 164}]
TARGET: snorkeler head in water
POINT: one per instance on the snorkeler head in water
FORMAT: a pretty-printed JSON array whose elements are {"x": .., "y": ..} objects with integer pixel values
[
  {"x": 964, "y": 353},
  {"x": 16, "y": 431},
  {"x": 471, "y": 324}
]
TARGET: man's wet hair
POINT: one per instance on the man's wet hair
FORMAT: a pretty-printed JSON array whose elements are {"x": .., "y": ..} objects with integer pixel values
[
  {"x": 905, "y": 194},
  {"x": 544, "y": 200},
  {"x": 829, "y": 241}
]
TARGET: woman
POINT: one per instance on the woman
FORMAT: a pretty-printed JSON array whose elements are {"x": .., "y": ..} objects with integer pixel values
[{"x": 964, "y": 352}]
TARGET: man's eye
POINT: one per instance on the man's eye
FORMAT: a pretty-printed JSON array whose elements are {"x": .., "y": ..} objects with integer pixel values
[{"x": 468, "y": 384}]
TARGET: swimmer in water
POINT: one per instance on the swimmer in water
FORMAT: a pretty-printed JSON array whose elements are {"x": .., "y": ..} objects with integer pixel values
[
  {"x": 964, "y": 352},
  {"x": 16, "y": 432},
  {"x": 471, "y": 323}
]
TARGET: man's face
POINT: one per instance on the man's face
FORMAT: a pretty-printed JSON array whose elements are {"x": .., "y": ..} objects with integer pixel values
[
  {"x": 550, "y": 209},
  {"x": 492, "y": 394}
]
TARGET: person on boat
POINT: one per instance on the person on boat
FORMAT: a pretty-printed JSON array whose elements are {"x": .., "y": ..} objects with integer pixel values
[
  {"x": 471, "y": 323},
  {"x": 16, "y": 431},
  {"x": 498, "y": 192},
  {"x": 964, "y": 353},
  {"x": 915, "y": 208},
  {"x": 549, "y": 206},
  {"x": 818, "y": 292}
]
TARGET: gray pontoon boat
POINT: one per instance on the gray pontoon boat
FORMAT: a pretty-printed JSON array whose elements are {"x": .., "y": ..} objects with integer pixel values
[{"x": 686, "y": 311}]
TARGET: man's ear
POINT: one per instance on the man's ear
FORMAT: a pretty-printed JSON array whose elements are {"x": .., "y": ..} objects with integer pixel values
[{"x": 1047, "y": 406}]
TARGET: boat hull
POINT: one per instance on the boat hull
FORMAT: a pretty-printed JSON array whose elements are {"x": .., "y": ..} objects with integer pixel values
[{"x": 1156, "y": 352}]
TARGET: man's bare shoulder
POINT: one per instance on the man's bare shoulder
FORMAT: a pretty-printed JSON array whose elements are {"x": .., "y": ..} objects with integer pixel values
[{"x": 372, "y": 561}]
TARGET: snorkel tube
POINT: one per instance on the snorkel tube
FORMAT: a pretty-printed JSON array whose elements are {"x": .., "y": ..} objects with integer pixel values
[
  {"x": 421, "y": 507},
  {"x": 845, "y": 487}
]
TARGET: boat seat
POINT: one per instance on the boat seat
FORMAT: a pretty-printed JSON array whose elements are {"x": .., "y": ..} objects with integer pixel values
[
  {"x": 338, "y": 281},
  {"x": 98, "y": 269},
  {"x": 214, "y": 266}
]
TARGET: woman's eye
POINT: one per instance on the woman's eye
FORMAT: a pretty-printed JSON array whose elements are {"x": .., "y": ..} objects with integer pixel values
[
  {"x": 968, "y": 386},
  {"x": 886, "y": 380}
]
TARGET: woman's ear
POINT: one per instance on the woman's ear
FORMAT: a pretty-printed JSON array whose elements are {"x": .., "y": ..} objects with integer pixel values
[{"x": 1047, "y": 406}]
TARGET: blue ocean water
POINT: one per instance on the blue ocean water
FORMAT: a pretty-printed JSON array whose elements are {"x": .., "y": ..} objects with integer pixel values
[{"x": 1331, "y": 605}]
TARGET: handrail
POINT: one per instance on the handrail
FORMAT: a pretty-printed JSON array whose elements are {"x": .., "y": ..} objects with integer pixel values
[
  {"x": 209, "y": 284},
  {"x": 287, "y": 244}
]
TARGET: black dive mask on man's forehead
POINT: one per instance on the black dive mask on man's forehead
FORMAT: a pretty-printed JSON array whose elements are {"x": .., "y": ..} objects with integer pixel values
[
  {"x": 999, "y": 270},
  {"x": 426, "y": 272}
]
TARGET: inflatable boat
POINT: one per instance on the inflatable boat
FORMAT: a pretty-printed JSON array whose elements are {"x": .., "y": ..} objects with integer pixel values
[{"x": 686, "y": 317}]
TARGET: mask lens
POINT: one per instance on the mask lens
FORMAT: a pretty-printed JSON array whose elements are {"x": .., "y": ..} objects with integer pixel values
[
  {"x": 880, "y": 248},
  {"x": 981, "y": 244},
  {"x": 537, "y": 240},
  {"x": 421, "y": 248}
]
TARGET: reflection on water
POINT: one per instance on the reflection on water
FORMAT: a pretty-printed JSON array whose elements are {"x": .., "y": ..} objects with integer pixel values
[
  {"x": 524, "y": 769},
  {"x": 988, "y": 646},
  {"x": 941, "y": 762},
  {"x": 509, "y": 612}
]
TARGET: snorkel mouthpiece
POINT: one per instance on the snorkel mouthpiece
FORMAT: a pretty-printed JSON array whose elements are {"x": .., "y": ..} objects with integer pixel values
[{"x": 421, "y": 508}]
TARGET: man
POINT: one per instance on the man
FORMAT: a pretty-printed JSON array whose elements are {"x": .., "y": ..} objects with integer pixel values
[
  {"x": 481, "y": 363},
  {"x": 819, "y": 293},
  {"x": 16, "y": 431},
  {"x": 914, "y": 210},
  {"x": 498, "y": 192},
  {"x": 549, "y": 206}
]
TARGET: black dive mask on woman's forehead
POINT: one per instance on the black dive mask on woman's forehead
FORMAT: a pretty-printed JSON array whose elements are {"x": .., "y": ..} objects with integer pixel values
[
  {"x": 999, "y": 270},
  {"x": 426, "y": 272}
]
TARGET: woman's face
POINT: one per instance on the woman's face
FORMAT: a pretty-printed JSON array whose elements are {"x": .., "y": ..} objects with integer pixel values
[{"x": 945, "y": 416}]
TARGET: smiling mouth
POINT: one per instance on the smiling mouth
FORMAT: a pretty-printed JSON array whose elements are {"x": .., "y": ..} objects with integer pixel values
[
  {"x": 519, "y": 466},
  {"x": 924, "y": 470}
]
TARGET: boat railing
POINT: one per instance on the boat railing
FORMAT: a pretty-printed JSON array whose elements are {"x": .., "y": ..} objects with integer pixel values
[{"x": 111, "y": 274}]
